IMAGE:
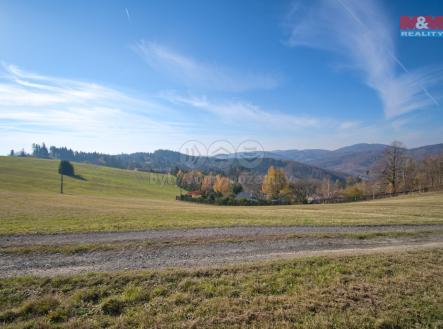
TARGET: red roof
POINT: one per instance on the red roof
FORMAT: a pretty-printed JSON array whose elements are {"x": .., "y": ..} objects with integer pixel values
[{"x": 194, "y": 193}]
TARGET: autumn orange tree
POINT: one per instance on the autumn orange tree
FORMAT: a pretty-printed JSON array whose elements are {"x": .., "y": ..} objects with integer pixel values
[
  {"x": 274, "y": 182},
  {"x": 222, "y": 185},
  {"x": 190, "y": 181},
  {"x": 208, "y": 183}
]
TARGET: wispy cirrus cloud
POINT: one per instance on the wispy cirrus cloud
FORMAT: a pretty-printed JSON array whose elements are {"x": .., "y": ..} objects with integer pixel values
[
  {"x": 245, "y": 113},
  {"x": 361, "y": 32},
  {"x": 128, "y": 15},
  {"x": 40, "y": 105},
  {"x": 21, "y": 88},
  {"x": 349, "y": 125},
  {"x": 193, "y": 72}
]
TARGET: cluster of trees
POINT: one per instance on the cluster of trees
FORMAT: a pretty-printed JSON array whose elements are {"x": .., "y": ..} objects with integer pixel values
[
  {"x": 274, "y": 187},
  {"x": 397, "y": 173},
  {"x": 40, "y": 151},
  {"x": 277, "y": 186},
  {"x": 400, "y": 173},
  {"x": 160, "y": 160},
  {"x": 20, "y": 153},
  {"x": 210, "y": 185}
]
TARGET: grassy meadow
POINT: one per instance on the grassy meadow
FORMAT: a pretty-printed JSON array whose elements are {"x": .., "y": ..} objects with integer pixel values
[
  {"x": 385, "y": 290},
  {"x": 108, "y": 199},
  {"x": 402, "y": 290}
]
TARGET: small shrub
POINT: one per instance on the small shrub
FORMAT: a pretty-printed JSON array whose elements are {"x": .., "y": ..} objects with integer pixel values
[
  {"x": 58, "y": 315},
  {"x": 133, "y": 293},
  {"x": 87, "y": 295},
  {"x": 112, "y": 306},
  {"x": 8, "y": 316},
  {"x": 179, "y": 298},
  {"x": 159, "y": 291},
  {"x": 40, "y": 306},
  {"x": 386, "y": 324}
]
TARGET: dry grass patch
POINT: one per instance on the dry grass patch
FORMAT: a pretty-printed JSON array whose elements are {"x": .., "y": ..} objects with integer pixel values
[{"x": 374, "y": 291}]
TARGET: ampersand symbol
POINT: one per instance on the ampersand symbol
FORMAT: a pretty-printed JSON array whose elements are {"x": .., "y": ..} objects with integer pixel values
[{"x": 421, "y": 23}]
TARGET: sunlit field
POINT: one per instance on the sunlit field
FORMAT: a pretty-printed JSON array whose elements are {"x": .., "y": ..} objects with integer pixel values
[{"x": 108, "y": 199}]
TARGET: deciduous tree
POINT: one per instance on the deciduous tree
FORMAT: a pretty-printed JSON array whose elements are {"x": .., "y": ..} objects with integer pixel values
[
  {"x": 65, "y": 168},
  {"x": 208, "y": 183},
  {"x": 274, "y": 182},
  {"x": 222, "y": 185},
  {"x": 394, "y": 161}
]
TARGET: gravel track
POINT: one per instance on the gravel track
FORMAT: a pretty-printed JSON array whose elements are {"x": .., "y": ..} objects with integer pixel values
[
  {"x": 208, "y": 254},
  {"x": 236, "y": 231}
]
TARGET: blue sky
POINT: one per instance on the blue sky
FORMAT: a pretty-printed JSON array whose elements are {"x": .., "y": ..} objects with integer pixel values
[{"x": 125, "y": 76}]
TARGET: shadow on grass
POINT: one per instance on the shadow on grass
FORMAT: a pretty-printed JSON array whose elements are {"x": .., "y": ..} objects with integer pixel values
[{"x": 79, "y": 177}]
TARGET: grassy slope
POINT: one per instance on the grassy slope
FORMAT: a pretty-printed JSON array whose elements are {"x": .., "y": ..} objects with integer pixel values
[
  {"x": 112, "y": 199},
  {"x": 40, "y": 176},
  {"x": 373, "y": 291}
]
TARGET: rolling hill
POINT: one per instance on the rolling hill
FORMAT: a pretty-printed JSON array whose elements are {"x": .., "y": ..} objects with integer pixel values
[
  {"x": 19, "y": 174},
  {"x": 109, "y": 199},
  {"x": 166, "y": 161},
  {"x": 354, "y": 160}
]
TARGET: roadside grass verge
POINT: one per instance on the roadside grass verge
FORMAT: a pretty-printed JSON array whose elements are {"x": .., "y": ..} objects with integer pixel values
[
  {"x": 78, "y": 248},
  {"x": 398, "y": 290}
]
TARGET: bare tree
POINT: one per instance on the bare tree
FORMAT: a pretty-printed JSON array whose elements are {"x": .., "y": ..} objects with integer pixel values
[
  {"x": 432, "y": 168},
  {"x": 394, "y": 161},
  {"x": 327, "y": 188},
  {"x": 409, "y": 175}
]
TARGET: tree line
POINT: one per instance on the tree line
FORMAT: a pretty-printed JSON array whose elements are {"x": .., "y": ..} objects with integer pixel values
[
  {"x": 158, "y": 161},
  {"x": 400, "y": 173},
  {"x": 395, "y": 173}
]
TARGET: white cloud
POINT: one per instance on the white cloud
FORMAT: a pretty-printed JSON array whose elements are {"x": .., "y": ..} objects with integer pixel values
[
  {"x": 46, "y": 107},
  {"x": 349, "y": 125},
  {"x": 128, "y": 15},
  {"x": 93, "y": 117},
  {"x": 360, "y": 31},
  {"x": 245, "y": 113},
  {"x": 202, "y": 75}
]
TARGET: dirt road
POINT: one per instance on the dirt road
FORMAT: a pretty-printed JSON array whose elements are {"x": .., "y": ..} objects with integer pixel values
[
  {"x": 257, "y": 246},
  {"x": 236, "y": 231}
]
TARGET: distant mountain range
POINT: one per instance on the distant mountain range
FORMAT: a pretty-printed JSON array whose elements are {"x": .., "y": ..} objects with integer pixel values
[
  {"x": 355, "y": 160},
  {"x": 164, "y": 160},
  {"x": 170, "y": 161}
]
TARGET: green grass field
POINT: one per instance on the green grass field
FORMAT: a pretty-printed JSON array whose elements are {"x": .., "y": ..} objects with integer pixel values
[
  {"x": 32, "y": 175},
  {"x": 112, "y": 199},
  {"x": 402, "y": 290},
  {"x": 385, "y": 290}
]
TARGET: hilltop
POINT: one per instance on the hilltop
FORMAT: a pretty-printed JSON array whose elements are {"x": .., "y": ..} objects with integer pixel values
[{"x": 354, "y": 160}]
